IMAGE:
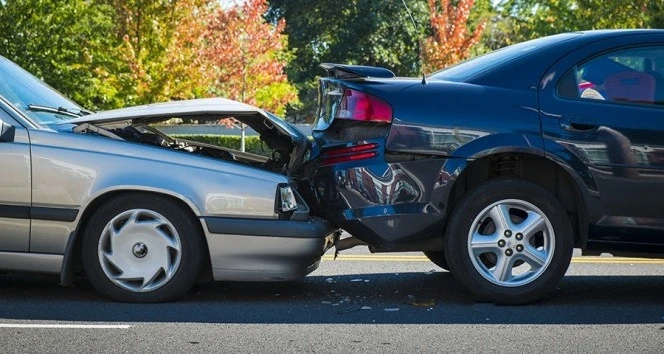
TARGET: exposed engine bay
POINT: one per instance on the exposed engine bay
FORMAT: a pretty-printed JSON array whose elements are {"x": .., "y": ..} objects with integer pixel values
[{"x": 278, "y": 148}]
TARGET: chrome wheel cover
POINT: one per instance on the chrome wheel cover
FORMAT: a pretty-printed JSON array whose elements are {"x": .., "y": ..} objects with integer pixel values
[
  {"x": 511, "y": 242},
  {"x": 139, "y": 250}
]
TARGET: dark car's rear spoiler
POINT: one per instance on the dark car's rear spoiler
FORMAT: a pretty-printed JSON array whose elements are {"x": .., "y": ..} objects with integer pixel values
[{"x": 342, "y": 71}]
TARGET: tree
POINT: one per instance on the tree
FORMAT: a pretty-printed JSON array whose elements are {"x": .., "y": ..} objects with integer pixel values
[
  {"x": 362, "y": 32},
  {"x": 66, "y": 44},
  {"x": 245, "y": 55},
  {"x": 160, "y": 40},
  {"x": 451, "y": 39},
  {"x": 529, "y": 19}
]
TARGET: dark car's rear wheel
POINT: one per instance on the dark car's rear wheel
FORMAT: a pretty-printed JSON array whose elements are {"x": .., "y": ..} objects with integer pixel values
[
  {"x": 438, "y": 258},
  {"x": 509, "y": 241},
  {"x": 142, "y": 248}
]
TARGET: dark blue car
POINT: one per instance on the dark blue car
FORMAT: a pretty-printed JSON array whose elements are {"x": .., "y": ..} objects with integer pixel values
[{"x": 499, "y": 166}]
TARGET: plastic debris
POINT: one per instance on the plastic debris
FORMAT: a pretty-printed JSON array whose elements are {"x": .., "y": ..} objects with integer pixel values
[
  {"x": 365, "y": 307},
  {"x": 348, "y": 310},
  {"x": 356, "y": 280},
  {"x": 391, "y": 309},
  {"x": 329, "y": 280},
  {"x": 366, "y": 280},
  {"x": 412, "y": 300}
]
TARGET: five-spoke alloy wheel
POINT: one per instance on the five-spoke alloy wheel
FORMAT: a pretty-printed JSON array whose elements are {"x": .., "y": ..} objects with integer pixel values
[
  {"x": 509, "y": 241},
  {"x": 142, "y": 248}
]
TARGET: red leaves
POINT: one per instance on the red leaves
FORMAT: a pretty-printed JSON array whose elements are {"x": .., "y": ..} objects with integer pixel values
[
  {"x": 246, "y": 56},
  {"x": 451, "y": 40}
]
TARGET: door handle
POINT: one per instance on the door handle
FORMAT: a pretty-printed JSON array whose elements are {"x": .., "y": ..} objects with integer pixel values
[{"x": 578, "y": 124}]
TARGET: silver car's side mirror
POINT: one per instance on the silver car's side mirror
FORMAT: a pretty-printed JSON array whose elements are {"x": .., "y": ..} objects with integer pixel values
[{"x": 6, "y": 132}]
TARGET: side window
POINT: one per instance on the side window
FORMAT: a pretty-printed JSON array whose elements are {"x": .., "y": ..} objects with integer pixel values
[{"x": 634, "y": 75}]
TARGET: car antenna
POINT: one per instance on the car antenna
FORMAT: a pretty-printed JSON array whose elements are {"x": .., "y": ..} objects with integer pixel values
[{"x": 419, "y": 41}]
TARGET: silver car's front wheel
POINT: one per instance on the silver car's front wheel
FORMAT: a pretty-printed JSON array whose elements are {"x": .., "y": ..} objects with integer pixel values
[
  {"x": 509, "y": 241},
  {"x": 142, "y": 248},
  {"x": 139, "y": 250}
]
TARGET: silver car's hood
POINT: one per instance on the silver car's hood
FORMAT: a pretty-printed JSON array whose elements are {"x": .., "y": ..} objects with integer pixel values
[
  {"x": 150, "y": 112},
  {"x": 156, "y": 112}
]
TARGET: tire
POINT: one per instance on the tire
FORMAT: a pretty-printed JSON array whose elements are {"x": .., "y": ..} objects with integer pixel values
[
  {"x": 142, "y": 248},
  {"x": 438, "y": 258},
  {"x": 534, "y": 246}
]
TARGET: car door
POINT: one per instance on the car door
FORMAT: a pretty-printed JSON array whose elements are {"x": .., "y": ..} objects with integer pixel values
[
  {"x": 15, "y": 185},
  {"x": 605, "y": 103}
]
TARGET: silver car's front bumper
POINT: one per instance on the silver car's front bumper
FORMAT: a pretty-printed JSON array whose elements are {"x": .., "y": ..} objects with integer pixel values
[{"x": 266, "y": 250}]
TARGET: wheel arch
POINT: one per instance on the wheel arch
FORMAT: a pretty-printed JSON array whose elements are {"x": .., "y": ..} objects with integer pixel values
[
  {"x": 532, "y": 166},
  {"x": 72, "y": 257}
]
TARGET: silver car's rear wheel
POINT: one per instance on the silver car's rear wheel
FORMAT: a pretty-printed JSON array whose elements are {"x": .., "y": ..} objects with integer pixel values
[
  {"x": 139, "y": 250},
  {"x": 142, "y": 247}
]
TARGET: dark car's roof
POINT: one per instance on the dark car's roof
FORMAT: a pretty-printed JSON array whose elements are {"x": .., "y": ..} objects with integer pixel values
[{"x": 547, "y": 49}]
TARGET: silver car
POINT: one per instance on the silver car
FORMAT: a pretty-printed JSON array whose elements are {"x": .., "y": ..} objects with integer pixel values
[{"x": 145, "y": 215}]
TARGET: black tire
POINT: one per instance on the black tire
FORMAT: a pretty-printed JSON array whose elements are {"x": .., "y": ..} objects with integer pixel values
[
  {"x": 438, "y": 258},
  {"x": 469, "y": 269},
  {"x": 191, "y": 248}
]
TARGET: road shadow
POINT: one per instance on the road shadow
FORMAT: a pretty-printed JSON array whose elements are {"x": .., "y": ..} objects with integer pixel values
[{"x": 389, "y": 298}]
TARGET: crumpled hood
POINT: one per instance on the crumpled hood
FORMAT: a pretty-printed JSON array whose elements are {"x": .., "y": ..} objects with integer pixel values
[{"x": 159, "y": 112}]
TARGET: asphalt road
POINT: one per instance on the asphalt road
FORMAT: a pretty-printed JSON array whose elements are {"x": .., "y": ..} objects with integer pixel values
[{"x": 358, "y": 303}]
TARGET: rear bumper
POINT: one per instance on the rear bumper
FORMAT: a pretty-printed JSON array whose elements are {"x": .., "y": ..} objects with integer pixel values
[
  {"x": 265, "y": 250},
  {"x": 382, "y": 204}
]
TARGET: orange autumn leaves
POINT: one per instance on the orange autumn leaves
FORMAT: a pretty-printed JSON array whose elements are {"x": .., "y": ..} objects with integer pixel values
[
  {"x": 246, "y": 57},
  {"x": 452, "y": 39},
  {"x": 195, "y": 48}
]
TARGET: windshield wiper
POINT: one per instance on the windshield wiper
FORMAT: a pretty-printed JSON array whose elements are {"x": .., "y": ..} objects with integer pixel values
[{"x": 57, "y": 110}]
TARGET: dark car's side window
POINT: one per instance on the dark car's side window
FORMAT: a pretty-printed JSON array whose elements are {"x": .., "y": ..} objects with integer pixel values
[{"x": 634, "y": 75}]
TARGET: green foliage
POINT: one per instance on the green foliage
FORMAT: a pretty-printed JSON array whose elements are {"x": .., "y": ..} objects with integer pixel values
[
  {"x": 66, "y": 44},
  {"x": 253, "y": 144},
  {"x": 352, "y": 32},
  {"x": 521, "y": 20}
]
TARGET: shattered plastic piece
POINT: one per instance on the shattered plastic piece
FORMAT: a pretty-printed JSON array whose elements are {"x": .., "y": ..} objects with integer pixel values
[
  {"x": 410, "y": 299},
  {"x": 366, "y": 280},
  {"x": 348, "y": 310},
  {"x": 329, "y": 280},
  {"x": 356, "y": 280},
  {"x": 391, "y": 309},
  {"x": 366, "y": 307}
]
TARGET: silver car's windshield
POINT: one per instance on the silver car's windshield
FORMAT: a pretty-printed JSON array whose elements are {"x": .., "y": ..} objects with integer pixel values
[{"x": 33, "y": 97}]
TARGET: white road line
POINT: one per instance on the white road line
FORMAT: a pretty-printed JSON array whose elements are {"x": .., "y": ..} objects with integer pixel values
[{"x": 62, "y": 326}]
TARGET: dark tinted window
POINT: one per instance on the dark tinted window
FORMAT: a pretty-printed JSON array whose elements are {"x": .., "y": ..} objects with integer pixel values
[
  {"x": 634, "y": 75},
  {"x": 472, "y": 67}
]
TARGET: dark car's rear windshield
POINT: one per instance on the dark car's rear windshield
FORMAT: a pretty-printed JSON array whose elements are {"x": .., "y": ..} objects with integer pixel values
[{"x": 469, "y": 68}]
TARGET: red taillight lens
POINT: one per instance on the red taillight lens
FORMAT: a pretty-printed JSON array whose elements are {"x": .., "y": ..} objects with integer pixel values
[
  {"x": 351, "y": 153},
  {"x": 357, "y": 105}
]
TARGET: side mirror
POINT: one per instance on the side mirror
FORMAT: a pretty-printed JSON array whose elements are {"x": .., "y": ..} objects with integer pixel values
[{"x": 6, "y": 132}]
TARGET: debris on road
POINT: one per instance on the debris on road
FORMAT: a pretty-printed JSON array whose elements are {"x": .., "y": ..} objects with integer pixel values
[
  {"x": 348, "y": 310},
  {"x": 391, "y": 309}
]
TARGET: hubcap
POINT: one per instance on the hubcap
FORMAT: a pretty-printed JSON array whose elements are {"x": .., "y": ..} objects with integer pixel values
[
  {"x": 139, "y": 250},
  {"x": 505, "y": 260}
]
